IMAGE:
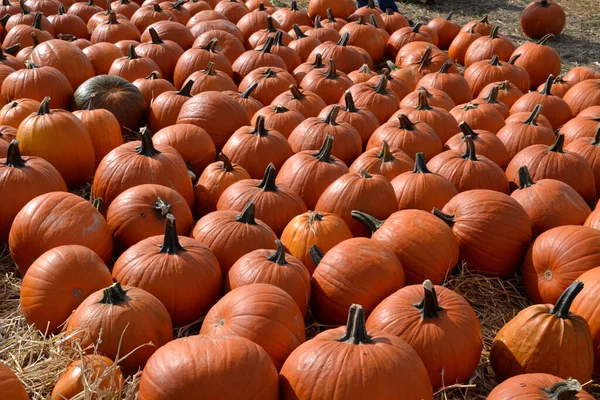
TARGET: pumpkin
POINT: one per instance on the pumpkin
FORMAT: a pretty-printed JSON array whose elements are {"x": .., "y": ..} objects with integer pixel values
[
  {"x": 216, "y": 113},
  {"x": 492, "y": 100},
  {"x": 197, "y": 58},
  {"x": 165, "y": 107},
  {"x": 102, "y": 56},
  {"x": 164, "y": 52},
  {"x": 303, "y": 44},
  {"x": 24, "y": 17},
  {"x": 128, "y": 317},
  {"x": 124, "y": 7},
  {"x": 479, "y": 115},
  {"x": 55, "y": 284},
  {"x": 179, "y": 14},
  {"x": 507, "y": 228},
  {"x": 209, "y": 375},
  {"x": 103, "y": 128},
  {"x": 421, "y": 189},
  {"x": 11, "y": 385},
  {"x": 593, "y": 111},
  {"x": 587, "y": 148},
  {"x": 366, "y": 11},
  {"x": 363, "y": 74},
  {"x": 195, "y": 6},
  {"x": 581, "y": 73},
  {"x": 281, "y": 327},
  {"x": 210, "y": 80},
  {"x": 383, "y": 161},
  {"x": 253, "y": 59},
  {"x": 536, "y": 326},
  {"x": 65, "y": 57},
  {"x": 245, "y": 99},
  {"x": 260, "y": 37},
  {"x": 460, "y": 44},
  {"x": 331, "y": 21},
  {"x": 553, "y": 162},
  {"x": 91, "y": 369},
  {"x": 359, "y": 190},
  {"x": 151, "y": 86},
  {"x": 586, "y": 305},
  {"x": 255, "y": 21},
  {"x": 519, "y": 135},
  {"x": 132, "y": 66},
  {"x": 486, "y": 143},
  {"x": 540, "y": 385},
  {"x": 480, "y": 26},
  {"x": 215, "y": 178},
  {"x": 482, "y": 73},
  {"x": 300, "y": 72},
  {"x": 13, "y": 113},
  {"x": 289, "y": 17},
  {"x": 583, "y": 95},
  {"x": 524, "y": 116},
  {"x": 426, "y": 61},
  {"x": 289, "y": 56},
  {"x": 410, "y": 137},
  {"x": 485, "y": 47},
  {"x": 84, "y": 10},
  {"x": 274, "y": 268},
  {"x": 63, "y": 23},
  {"x": 393, "y": 21},
  {"x": 215, "y": 229},
  {"x": 311, "y": 133},
  {"x": 7, "y": 135},
  {"x": 435, "y": 98},
  {"x": 143, "y": 17},
  {"x": 24, "y": 53},
  {"x": 446, "y": 30},
  {"x": 347, "y": 59},
  {"x": 8, "y": 8},
  {"x": 452, "y": 83},
  {"x": 404, "y": 36},
  {"x": 377, "y": 98},
  {"x": 304, "y": 101},
  {"x": 519, "y": 75},
  {"x": 272, "y": 81},
  {"x": 398, "y": 86},
  {"x": 279, "y": 119},
  {"x": 141, "y": 212},
  {"x": 434, "y": 318},
  {"x": 342, "y": 9},
  {"x": 549, "y": 203},
  {"x": 255, "y": 147},
  {"x": 560, "y": 87},
  {"x": 228, "y": 44},
  {"x": 115, "y": 94},
  {"x": 113, "y": 30},
  {"x": 365, "y": 36},
  {"x": 539, "y": 60},
  {"x": 35, "y": 230},
  {"x": 329, "y": 85},
  {"x": 21, "y": 34},
  {"x": 327, "y": 33},
  {"x": 542, "y": 17},
  {"x": 219, "y": 24},
  {"x": 26, "y": 178},
  {"x": 508, "y": 92}
]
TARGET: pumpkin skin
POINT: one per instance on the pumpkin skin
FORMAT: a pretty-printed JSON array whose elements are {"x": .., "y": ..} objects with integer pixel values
[
  {"x": 508, "y": 92},
  {"x": 507, "y": 227},
  {"x": 144, "y": 319},
  {"x": 586, "y": 305},
  {"x": 435, "y": 98},
  {"x": 329, "y": 85},
  {"x": 141, "y": 212},
  {"x": 387, "y": 364},
  {"x": 519, "y": 135},
  {"x": 460, "y": 44},
  {"x": 433, "y": 317},
  {"x": 279, "y": 119},
  {"x": 530, "y": 342},
  {"x": 405, "y": 36},
  {"x": 21, "y": 33},
  {"x": 452, "y": 83},
  {"x": 578, "y": 127},
  {"x": 181, "y": 272},
  {"x": 588, "y": 149},
  {"x": 165, "y": 107},
  {"x": 359, "y": 192},
  {"x": 554, "y": 108},
  {"x": 399, "y": 234},
  {"x": 383, "y": 161},
  {"x": 102, "y": 56},
  {"x": 132, "y": 66},
  {"x": 583, "y": 95},
  {"x": 203, "y": 370},
  {"x": 581, "y": 73},
  {"x": 11, "y": 385},
  {"x": 553, "y": 162},
  {"x": 164, "y": 53},
  {"x": 272, "y": 81},
  {"x": 230, "y": 234},
  {"x": 117, "y": 95},
  {"x": 303, "y": 44},
  {"x": 71, "y": 153},
  {"x": 94, "y": 366},
  {"x": 228, "y": 45},
  {"x": 56, "y": 283},
  {"x": 281, "y": 327},
  {"x": 274, "y": 268},
  {"x": 482, "y": 73},
  {"x": 549, "y": 268},
  {"x": 304, "y": 101},
  {"x": 542, "y": 17},
  {"x": 267, "y": 196},
  {"x": 324, "y": 33},
  {"x": 26, "y": 178},
  {"x": 357, "y": 269},
  {"x": 485, "y": 47},
  {"x": 13, "y": 113},
  {"x": 140, "y": 162},
  {"x": 35, "y": 230},
  {"x": 539, "y": 60},
  {"x": 341, "y": 9},
  {"x": 486, "y": 143},
  {"x": 538, "y": 386}
]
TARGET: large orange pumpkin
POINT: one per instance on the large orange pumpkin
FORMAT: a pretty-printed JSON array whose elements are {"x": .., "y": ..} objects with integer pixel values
[
  {"x": 65, "y": 57},
  {"x": 542, "y": 17}
]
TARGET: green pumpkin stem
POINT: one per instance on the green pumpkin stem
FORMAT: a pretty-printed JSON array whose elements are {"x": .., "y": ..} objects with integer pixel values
[
  {"x": 563, "y": 305},
  {"x": 279, "y": 256},
  {"x": 316, "y": 255},
  {"x": 533, "y": 117},
  {"x": 268, "y": 181},
  {"x": 186, "y": 89},
  {"x": 13, "y": 156},
  {"x": 405, "y": 123},
  {"x": 146, "y": 148},
  {"x": 525, "y": 179},
  {"x": 162, "y": 208},
  {"x": 392, "y": 66},
  {"x": 447, "y": 218},
  {"x": 548, "y": 86},
  {"x": 155, "y": 37},
  {"x": 417, "y": 27},
  {"x": 429, "y": 306},
  {"x": 171, "y": 243},
  {"x": 259, "y": 128},
  {"x": 544, "y": 40},
  {"x": 44, "y": 106},
  {"x": 114, "y": 295},
  {"x": 356, "y": 329},
  {"x": 564, "y": 390},
  {"x": 420, "y": 164},
  {"x": 324, "y": 154},
  {"x": 372, "y": 223},
  {"x": 331, "y": 72},
  {"x": 423, "y": 102},
  {"x": 557, "y": 147},
  {"x": 344, "y": 40},
  {"x": 386, "y": 155},
  {"x": 246, "y": 93},
  {"x": 331, "y": 118},
  {"x": 247, "y": 214},
  {"x": 298, "y": 32},
  {"x": 470, "y": 153}
]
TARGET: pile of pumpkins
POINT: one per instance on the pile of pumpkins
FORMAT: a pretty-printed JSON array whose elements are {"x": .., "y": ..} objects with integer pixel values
[{"x": 275, "y": 171}]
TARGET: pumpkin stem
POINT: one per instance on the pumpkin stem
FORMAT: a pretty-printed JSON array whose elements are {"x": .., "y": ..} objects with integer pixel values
[
  {"x": 13, "y": 50},
  {"x": 332, "y": 116},
  {"x": 494, "y": 32},
  {"x": 153, "y": 75},
  {"x": 227, "y": 166},
  {"x": 186, "y": 90},
  {"x": 61, "y": 9},
  {"x": 449, "y": 16},
  {"x": 386, "y": 155},
  {"x": 37, "y": 21},
  {"x": 349, "y": 100},
  {"x": 210, "y": 46},
  {"x": 156, "y": 7},
  {"x": 447, "y": 218},
  {"x": 416, "y": 28},
  {"x": 364, "y": 69},
  {"x": 112, "y": 19},
  {"x": 318, "y": 24},
  {"x": 492, "y": 97},
  {"x": 114, "y": 295},
  {"x": 525, "y": 180},
  {"x": 562, "y": 306},
  {"x": 44, "y": 106},
  {"x": 131, "y": 54},
  {"x": 13, "y": 156},
  {"x": 210, "y": 69},
  {"x": 372, "y": 223},
  {"x": 373, "y": 21},
  {"x": 331, "y": 72},
  {"x": 279, "y": 256},
  {"x": 294, "y": 5},
  {"x": 361, "y": 20},
  {"x": 405, "y": 123},
  {"x": 171, "y": 243},
  {"x": 279, "y": 38},
  {"x": 247, "y": 214},
  {"x": 155, "y": 37},
  {"x": 532, "y": 119},
  {"x": 246, "y": 93},
  {"x": 30, "y": 64},
  {"x": 470, "y": 152},
  {"x": 429, "y": 306},
  {"x": 504, "y": 85},
  {"x": 162, "y": 209},
  {"x": 565, "y": 390},
  {"x": 316, "y": 255},
  {"x": 425, "y": 58},
  {"x": 381, "y": 87},
  {"x": 324, "y": 154},
  {"x": 98, "y": 204},
  {"x": 24, "y": 9},
  {"x": 467, "y": 130},
  {"x": 495, "y": 61},
  {"x": 356, "y": 329},
  {"x": 420, "y": 164},
  {"x": 4, "y": 19},
  {"x": 296, "y": 93},
  {"x": 268, "y": 45},
  {"x": 596, "y": 141},
  {"x": 484, "y": 20},
  {"x": 548, "y": 86},
  {"x": 330, "y": 16},
  {"x": 259, "y": 128},
  {"x": 268, "y": 181},
  {"x": 544, "y": 40},
  {"x": 279, "y": 109},
  {"x": 446, "y": 67},
  {"x": 298, "y": 31},
  {"x": 318, "y": 63},
  {"x": 557, "y": 147},
  {"x": 389, "y": 11},
  {"x": 364, "y": 174},
  {"x": 514, "y": 58},
  {"x": 392, "y": 66},
  {"x": 544, "y": 3},
  {"x": 423, "y": 104},
  {"x": 146, "y": 148},
  {"x": 344, "y": 40}
]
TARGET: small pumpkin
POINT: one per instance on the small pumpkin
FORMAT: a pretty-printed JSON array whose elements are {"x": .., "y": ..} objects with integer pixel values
[
  {"x": 13, "y": 113},
  {"x": 583, "y": 95},
  {"x": 479, "y": 115},
  {"x": 482, "y": 73},
  {"x": 539, "y": 60},
  {"x": 165, "y": 107},
  {"x": 426, "y": 61},
  {"x": 508, "y": 92},
  {"x": 304, "y": 101},
  {"x": 383, "y": 161},
  {"x": 377, "y": 98},
  {"x": 102, "y": 56},
  {"x": 197, "y": 58},
  {"x": 435, "y": 98},
  {"x": 486, "y": 143},
  {"x": 540, "y": 385},
  {"x": 542, "y": 17},
  {"x": 460, "y": 44},
  {"x": 452, "y": 83},
  {"x": 519, "y": 135},
  {"x": 393, "y": 20},
  {"x": 485, "y": 47},
  {"x": 279, "y": 118},
  {"x": 446, "y": 30},
  {"x": 404, "y": 36},
  {"x": 330, "y": 85},
  {"x": 271, "y": 82},
  {"x": 151, "y": 86},
  {"x": 588, "y": 149},
  {"x": 303, "y": 44},
  {"x": 95, "y": 369},
  {"x": 227, "y": 44},
  {"x": 581, "y": 73},
  {"x": 324, "y": 33},
  {"x": 347, "y": 59},
  {"x": 481, "y": 26},
  {"x": 163, "y": 51}
]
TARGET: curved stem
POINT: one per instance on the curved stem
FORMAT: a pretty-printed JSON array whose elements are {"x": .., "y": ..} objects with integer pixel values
[
  {"x": 316, "y": 255},
  {"x": 114, "y": 295},
  {"x": 37, "y": 21},
  {"x": 147, "y": 148},
  {"x": 420, "y": 164},
  {"x": 425, "y": 58},
  {"x": 210, "y": 46},
  {"x": 405, "y": 123},
  {"x": 447, "y": 218},
  {"x": 349, "y": 100},
  {"x": 356, "y": 329},
  {"x": 318, "y": 63},
  {"x": 171, "y": 243},
  {"x": 330, "y": 16},
  {"x": 44, "y": 106},
  {"x": 24, "y": 8},
  {"x": 470, "y": 152},
  {"x": 565, "y": 390},
  {"x": 392, "y": 66},
  {"x": 153, "y": 75},
  {"x": 373, "y": 21},
  {"x": 514, "y": 58},
  {"x": 525, "y": 179},
  {"x": 563, "y": 305},
  {"x": 494, "y": 32},
  {"x": 449, "y": 16},
  {"x": 210, "y": 69},
  {"x": 544, "y": 40},
  {"x": 417, "y": 27},
  {"x": 557, "y": 147},
  {"x": 372, "y": 223},
  {"x": 332, "y": 116},
  {"x": 533, "y": 117},
  {"x": 548, "y": 86},
  {"x": 364, "y": 174},
  {"x": 279, "y": 256},
  {"x": 484, "y": 20},
  {"x": 227, "y": 166},
  {"x": 446, "y": 67},
  {"x": 268, "y": 181},
  {"x": 30, "y": 64},
  {"x": 247, "y": 214},
  {"x": 186, "y": 90},
  {"x": 259, "y": 128},
  {"x": 423, "y": 103},
  {"x": 596, "y": 141},
  {"x": 296, "y": 93},
  {"x": 278, "y": 109},
  {"x": 467, "y": 130},
  {"x": 429, "y": 306},
  {"x": 155, "y": 37},
  {"x": 246, "y": 93},
  {"x": 492, "y": 97},
  {"x": 318, "y": 24},
  {"x": 381, "y": 87},
  {"x": 324, "y": 154},
  {"x": 495, "y": 61},
  {"x": 279, "y": 38},
  {"x": 13, "y": 156},
  {"x": 298, "y": 31},
  {"x": 386, "y": 155},
  {"x": 344, "y": 40},
  {"x": 331, "y": 72}
]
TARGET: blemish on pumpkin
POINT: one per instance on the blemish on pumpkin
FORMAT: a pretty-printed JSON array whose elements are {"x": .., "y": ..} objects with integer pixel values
[
  {"x": 221, "y": 322},
  {"x": 77, "y": 293},
  {"x": 548, "y": 275}
]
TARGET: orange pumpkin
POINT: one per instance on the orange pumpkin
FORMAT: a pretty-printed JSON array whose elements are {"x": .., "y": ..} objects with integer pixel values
[
  {"x": 519, "y": 135},
  {"x": 11, "y": 385},
  {"x": 165, "y": 107},
  {"x": 98, "y": 371},
  {"x": 540, "y": 384},
  {"x": 486, "y": 144},
  {"x": 383, "y": 161}
]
